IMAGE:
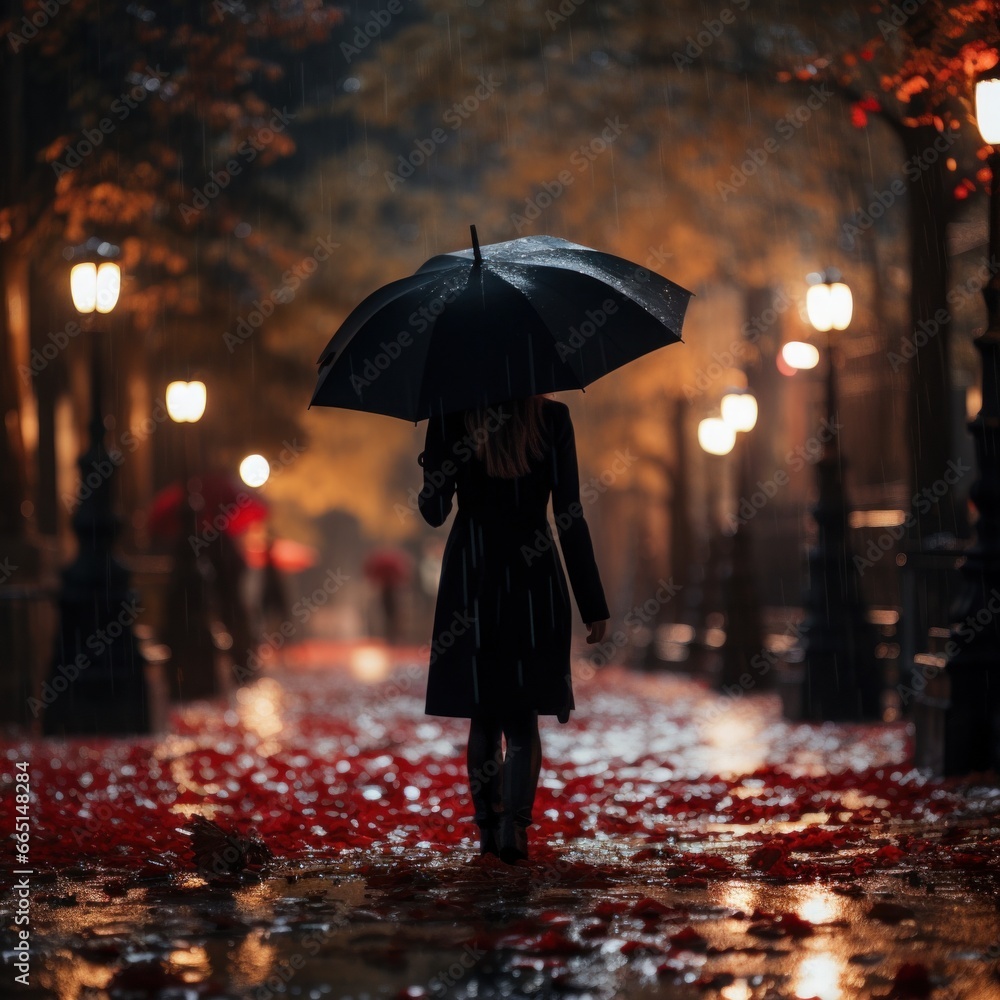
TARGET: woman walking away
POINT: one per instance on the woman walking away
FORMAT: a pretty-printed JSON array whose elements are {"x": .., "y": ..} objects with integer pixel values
[{"x": 500, "y": 650}]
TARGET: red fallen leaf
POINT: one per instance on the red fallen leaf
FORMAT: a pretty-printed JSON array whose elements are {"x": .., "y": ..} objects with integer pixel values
[
  {"x": 688, "y": 939},
  {"x": 608, "y": 908},
  {"x": 890, "y": 913},
  {"x": 766, "y": 857},
  {"x": 650, "y": 908},
  {"x": 554, "y": 943},
  {"x": 772, "y": 859},
  {"x": 889, "y": 854},
  {"x": 714, "y": 863},
  {"x": 784, "y": 925},
  {"x": 554, "y": 918}
]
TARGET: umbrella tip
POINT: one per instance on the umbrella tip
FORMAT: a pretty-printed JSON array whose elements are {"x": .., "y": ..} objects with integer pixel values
[{"x": 475, "y": 245}]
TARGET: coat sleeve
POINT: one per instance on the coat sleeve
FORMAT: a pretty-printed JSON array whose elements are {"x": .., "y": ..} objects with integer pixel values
[
  {"x": 574, "y": 535},
  {"x": 440, "y": 468}
]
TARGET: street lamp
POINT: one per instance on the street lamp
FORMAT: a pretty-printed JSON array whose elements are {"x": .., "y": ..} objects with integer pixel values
[
  {"x": 971, "y": 733},
  {"x": 192, "y": 672},
  {"x": 255, "y": 470},
  {"x": 743, "y": 635},
  {"x": 97, "y": 680},
  {"x": 841, "y": 674}
]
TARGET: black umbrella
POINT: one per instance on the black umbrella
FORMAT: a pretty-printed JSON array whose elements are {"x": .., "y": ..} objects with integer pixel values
[{"x": 477, "y": 327}]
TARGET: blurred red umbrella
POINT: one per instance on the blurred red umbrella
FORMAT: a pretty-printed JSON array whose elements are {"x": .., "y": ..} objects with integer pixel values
[
  {"x": 388, "y": 566},
  {"x": 220, "y": 501},
  {"x": 286, "y": 555}
]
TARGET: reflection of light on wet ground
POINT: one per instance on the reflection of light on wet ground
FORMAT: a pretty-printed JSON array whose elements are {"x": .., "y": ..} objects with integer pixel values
[
  {"x": 371, "y": 663},
  {"x": 193, "y": 963},
  {"x": 259, "y": 708},
  {"x": 819, "y": 906},
  {"x": 819, "y": 976},
  {"x": 740, "y": 896},
  {"x": 252, "y": 960},
  {"x": 736, "y": 991},
  {"x": 732, "y": 743}
]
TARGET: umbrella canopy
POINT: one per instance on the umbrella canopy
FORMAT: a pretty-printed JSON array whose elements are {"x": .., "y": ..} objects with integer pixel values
[
  {"x": 219, "y": 499},
  {"x": 476, "y": 327}
]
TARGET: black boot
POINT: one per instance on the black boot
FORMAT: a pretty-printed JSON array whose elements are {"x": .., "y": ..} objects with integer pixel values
[
  {"x": 485, "y": 765},
  {"x": 520, "y": 780}
]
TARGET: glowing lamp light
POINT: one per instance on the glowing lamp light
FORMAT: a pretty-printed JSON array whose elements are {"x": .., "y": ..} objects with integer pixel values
[
  {"x": 829, "y": 305},
  {"x": 255, "y": 470},
  {"x": 716, "y": 436},
  {"x": 800, "y": 355},
  {"x": 186, "y": 401},
  {"x": 95, "y": 286},
  {"x": 739, "y": 410},
  {"x": 988, "y": 109}
]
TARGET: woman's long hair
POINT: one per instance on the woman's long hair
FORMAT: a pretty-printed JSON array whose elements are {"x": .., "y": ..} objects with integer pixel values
[{"x": 506, "y": 434}]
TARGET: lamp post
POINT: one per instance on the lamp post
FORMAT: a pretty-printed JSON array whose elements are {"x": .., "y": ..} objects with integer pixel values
[
  {"x": 744, "y": 634},
  {"x": 97, "y": 680},
  {"x": 972, "y": 720},
  {"x": 192, "y": 671},
  {"x": 841, "y": 674}
]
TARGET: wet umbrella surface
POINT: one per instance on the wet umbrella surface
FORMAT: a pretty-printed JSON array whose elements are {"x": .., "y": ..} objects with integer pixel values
[{"x": 687, "y": 846}]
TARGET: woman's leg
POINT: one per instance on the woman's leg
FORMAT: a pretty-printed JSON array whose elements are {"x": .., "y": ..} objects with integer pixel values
[
  {"x": 520, "y": 781},
  {"x": 485, "y": 763}
]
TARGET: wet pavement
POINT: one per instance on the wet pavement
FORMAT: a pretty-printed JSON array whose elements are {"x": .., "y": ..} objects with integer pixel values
[{"x": 687, "y": 846}]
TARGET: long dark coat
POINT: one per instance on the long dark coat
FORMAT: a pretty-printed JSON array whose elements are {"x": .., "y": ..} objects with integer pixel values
[{"x": 502, "y": 623}]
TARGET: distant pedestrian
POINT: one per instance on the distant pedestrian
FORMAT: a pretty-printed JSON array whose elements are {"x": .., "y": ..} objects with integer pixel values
[{"x": 500, "y": 651}]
